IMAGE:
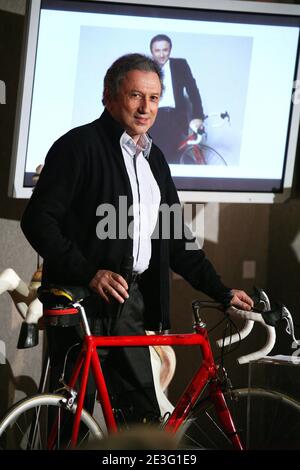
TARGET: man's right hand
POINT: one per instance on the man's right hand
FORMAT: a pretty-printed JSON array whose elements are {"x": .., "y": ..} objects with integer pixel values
[
  {"x": 196, "y": 124},
  {"x": 109, "y": 284},
  {"x": 241, "y": 300}
]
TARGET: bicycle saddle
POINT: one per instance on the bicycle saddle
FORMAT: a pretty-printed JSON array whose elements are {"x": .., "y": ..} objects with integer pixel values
[{"x": 58, "y": 296}]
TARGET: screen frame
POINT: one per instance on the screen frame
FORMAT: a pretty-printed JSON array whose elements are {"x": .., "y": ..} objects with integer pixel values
[{"x": 25, "y": 93}]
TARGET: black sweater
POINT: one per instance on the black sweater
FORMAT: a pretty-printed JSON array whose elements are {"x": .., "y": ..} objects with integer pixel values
[{"x": 83, "y": 169}]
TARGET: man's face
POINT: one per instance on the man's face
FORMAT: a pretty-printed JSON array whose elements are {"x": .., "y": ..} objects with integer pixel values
[
  {"x": 136, "y": 104},
  {"x": 161, "y": 51}
]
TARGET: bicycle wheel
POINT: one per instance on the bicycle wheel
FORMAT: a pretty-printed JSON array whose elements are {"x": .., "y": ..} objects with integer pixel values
[
  {"x": 264, "y": 419},
  {"x": 26, "y": 426},
  {"x": 201, "y": 155}
]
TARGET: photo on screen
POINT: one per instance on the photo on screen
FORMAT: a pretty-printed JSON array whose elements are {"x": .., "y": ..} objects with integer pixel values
[
  {"x": 220, "y": 66},
  {"x": 243, "y": 65}
]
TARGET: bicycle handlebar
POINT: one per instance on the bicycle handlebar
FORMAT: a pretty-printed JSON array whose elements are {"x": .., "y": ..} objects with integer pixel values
[
  {"x": 264, "y": 315},
  {"x": 250, "y": 318},
  {"x": 267, "y": 318},
  {"x": 196, "y": 137}
]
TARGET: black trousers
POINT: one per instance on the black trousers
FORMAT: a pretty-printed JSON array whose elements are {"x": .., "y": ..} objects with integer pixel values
[
  {"x": 168, "y": 131},
  {"x": 127, "y": 371}
]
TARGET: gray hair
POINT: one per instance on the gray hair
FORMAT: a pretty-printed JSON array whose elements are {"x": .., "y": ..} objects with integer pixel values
[{"x": 117, "y": 71}]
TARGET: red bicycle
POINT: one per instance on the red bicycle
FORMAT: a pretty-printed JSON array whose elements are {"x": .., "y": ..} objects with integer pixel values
[
  {"x": 210, "y": 413},
  {"x": 193, "y": 150}
]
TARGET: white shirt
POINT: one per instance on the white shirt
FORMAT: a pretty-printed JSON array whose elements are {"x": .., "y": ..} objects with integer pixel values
[
  {"x": 167, "y": 99},
  {"x": 146, "y": 197}
]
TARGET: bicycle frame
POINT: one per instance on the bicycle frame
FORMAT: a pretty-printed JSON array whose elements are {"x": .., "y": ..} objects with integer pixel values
[
  {"x": 202, "y": 153},
  {"x": 206, "y": 375},
  {"x": 37, "y": 412}
]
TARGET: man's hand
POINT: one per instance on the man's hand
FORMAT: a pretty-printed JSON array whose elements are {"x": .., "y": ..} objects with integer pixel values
[
  {"x": 109, "y": 284},
  {"x": 241, "y": 300},
  {"x": 196, "y": 124}
]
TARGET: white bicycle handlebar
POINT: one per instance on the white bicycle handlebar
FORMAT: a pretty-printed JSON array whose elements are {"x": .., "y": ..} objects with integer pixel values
[
  {"x": 10, "y": 281},
  {"x": 250, "y": 318}
]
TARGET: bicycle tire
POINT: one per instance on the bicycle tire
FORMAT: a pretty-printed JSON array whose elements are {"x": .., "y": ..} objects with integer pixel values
[
  {"x": 17, "y": 424},
  {"x": 209, "y": 156},
  {"x": 264, "y": 419}
]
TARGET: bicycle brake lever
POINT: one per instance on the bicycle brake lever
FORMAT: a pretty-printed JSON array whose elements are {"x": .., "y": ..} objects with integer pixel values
[
  {"x": 264, "y": 299},
  {"x": 290, "y": 324},
  {"x": 225, "y": 116}
]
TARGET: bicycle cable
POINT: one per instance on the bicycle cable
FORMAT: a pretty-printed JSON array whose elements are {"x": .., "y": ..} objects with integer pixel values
[
  {"x": 61, "y": 379},
  {"x": 232, "y": 327},
  {"x": 231, "y": 322}
]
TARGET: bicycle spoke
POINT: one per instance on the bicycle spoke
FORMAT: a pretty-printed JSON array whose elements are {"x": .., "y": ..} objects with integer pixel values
[
  {"x": 83, "y": 439},
  {"x": 28, "y": 424},
  {"x": 32, "y": 430},
  {"x": 204, "y": 434},
  {"x": 58, "y": 429},
  {"x": 218, "y": 427},
  {"x": 272, "y": 426},
  {"x": 193, "y": 440},
  {"x": 20, "y": 430}
]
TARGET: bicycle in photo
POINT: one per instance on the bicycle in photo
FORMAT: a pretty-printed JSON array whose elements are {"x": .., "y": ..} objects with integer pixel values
[
  {"x": 193, "y": 149},
  {"x": 209, "y": 414}
]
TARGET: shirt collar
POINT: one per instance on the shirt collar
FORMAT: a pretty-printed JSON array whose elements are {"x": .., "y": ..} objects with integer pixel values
[
  {"x": 143, "y": 145},
  {"x": 166, "y": 64}
]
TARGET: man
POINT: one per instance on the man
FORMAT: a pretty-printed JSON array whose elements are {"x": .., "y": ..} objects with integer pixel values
[
  {"x": 175, "y": 114},
  {"x": 89, "y": 169}
]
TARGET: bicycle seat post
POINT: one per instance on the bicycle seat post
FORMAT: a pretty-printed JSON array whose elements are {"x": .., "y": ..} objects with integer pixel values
[{"x": 81, "y": 309}]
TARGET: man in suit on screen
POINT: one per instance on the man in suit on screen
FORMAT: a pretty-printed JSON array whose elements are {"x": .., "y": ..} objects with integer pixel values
[{"x": 176, "y": 114}]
